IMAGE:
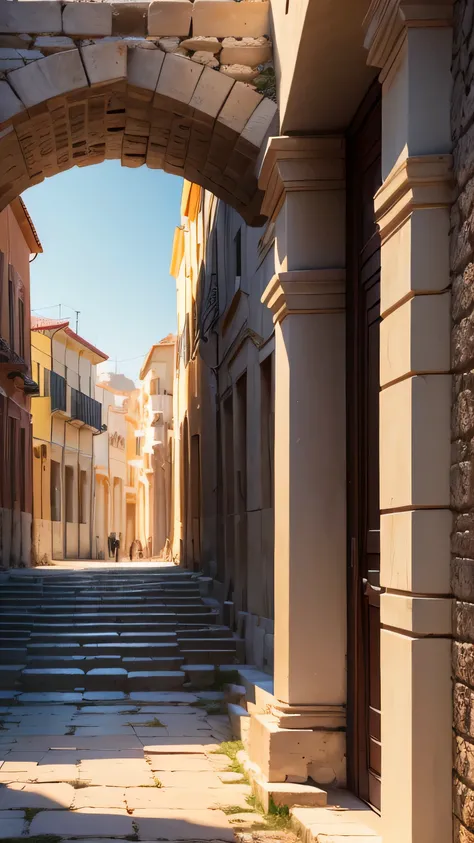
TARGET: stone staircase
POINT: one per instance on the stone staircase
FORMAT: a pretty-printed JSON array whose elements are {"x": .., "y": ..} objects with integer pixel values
[{"x": 110, "y": 631}]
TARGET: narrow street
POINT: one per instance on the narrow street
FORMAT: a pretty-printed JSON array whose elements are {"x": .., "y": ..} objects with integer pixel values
[{"x": 101, "y": 735}]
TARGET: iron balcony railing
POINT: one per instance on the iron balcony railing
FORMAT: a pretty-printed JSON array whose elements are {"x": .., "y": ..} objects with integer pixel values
[
  {"x": 86, "y": 409},
  {"x": 55, "y": 388}
]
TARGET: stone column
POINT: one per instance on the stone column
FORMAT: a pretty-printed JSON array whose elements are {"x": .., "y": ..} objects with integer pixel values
[
  {"x": 304, "y": 184},
  {"x": 412, "y": 44}
]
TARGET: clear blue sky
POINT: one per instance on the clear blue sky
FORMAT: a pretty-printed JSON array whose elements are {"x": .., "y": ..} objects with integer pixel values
[{"x": 107, "y": 233}]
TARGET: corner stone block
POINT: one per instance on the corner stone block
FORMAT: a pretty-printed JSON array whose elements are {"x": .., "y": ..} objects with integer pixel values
[
  {"x": 105, "y": 61},
  {"x": 170, "y": 17},
  {"x": 34, "y": 17},
  {"x": 129, "y": 19},
  {"x": 178, "y": 78},
  {"x": 238, "y": 107},
  {"x": 259, "y": 123},
  {"x": 87, "y": 19},
  {"x": 9, "y": 103},
  {"x": 415, "y": 426},
  {"x": 144, "y": 67},
  {"x": 226, "y": 18},
  {"x": 211, "y": 92},
  {"x": 49, "y": 77}
]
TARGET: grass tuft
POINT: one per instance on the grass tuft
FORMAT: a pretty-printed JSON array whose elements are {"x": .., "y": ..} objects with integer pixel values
[
  {"x": 156, "y": 723},
  {"x": 30, "y": 813},
  {"x": 77, "y": 784},
  {"x": 236, "y": 809}
]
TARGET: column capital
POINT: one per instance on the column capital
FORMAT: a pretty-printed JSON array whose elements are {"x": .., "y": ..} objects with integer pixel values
[
  {"x": 306, "y": 291},
  {"x": 300, "y": 163},
  {"x": 386, "y": 23},
  {"x": 423, "y": 181}
]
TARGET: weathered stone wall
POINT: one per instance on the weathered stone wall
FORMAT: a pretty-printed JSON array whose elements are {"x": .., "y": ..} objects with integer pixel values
[{"x": 462, "y": 471}]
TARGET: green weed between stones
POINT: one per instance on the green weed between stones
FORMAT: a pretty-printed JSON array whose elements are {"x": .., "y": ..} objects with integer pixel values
[
  {"x": 157, "y": 724},
  {"x": 30, "y": 813},
  {"x": 235, "y": 809},
  {"x": 209, "y": 706}
]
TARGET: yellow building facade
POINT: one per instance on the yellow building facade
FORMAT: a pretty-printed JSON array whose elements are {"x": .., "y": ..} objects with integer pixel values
[{"x": 66, "y": 417}]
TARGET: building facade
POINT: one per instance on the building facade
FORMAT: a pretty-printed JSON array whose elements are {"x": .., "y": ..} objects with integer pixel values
[
  {"x": 66, "y": 419},
  {"x": 18, "y": 242},
  {"x": 151, "y": 462},
  {"x": 327, "y": 332},
  {"x": 111, "y": 468}
]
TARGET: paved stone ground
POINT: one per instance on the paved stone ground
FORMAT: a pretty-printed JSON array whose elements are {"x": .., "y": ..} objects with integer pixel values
[{"x": 147, "y": 772}]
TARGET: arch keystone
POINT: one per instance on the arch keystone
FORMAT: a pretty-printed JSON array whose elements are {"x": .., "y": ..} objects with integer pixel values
[{"x": 105, "y": 61}]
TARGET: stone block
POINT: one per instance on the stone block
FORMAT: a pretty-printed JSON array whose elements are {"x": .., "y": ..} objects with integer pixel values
[
  {"x": 169, "y": 17},
  {"x": 416, "y": 338},
  {"x": 144, "y": 67},
  {"x": 223, "y": 18},
  {"x": 289, "y": 794},
  {"x": 268, "y": 652},
  {"x": 105, "y": 61},
  {"x": 211, "y": 91},
  {"x": 49, "y": 44},
  {"x": 202, "y": 43},
  {"x": 259, "y": 123},
  {"x": 10, "y": 104},
  {"x": 87, "y": 20},
  {"x": 32, "y": 16},
  {"x": 258, "y": 646},
  {"x": 129, "y": 19},
  {"x": 286, "y": 754},
  {"x": 247, "y": 51},
  {"x": 236, "y": 714},
  {"x": 415, "y": 437},
  {"x": 178, "y": 79},
  {"x": 415, "y": 553},
  {"x": 52, "y": 76},
  {"x": 205, "y": 58},
  {"x": 239, "y": 72}
]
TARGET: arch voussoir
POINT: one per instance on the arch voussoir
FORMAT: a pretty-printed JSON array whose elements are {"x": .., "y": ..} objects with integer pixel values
[{"x": 93, "y": 94}]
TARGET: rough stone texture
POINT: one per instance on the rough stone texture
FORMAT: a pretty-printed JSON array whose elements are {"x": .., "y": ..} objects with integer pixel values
[{"x": 462, "y": 471}]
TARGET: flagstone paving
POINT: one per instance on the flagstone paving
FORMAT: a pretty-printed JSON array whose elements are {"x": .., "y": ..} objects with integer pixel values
[
  {"x": 143, "y": 772},
  {"x": 76, "y": 771}
]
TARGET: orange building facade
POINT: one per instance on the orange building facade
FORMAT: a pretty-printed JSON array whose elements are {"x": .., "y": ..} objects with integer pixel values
[{"x": 18, "y": 241}]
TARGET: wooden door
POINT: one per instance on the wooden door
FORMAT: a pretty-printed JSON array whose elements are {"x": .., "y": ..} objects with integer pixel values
[{"x": 363, "y": 314}]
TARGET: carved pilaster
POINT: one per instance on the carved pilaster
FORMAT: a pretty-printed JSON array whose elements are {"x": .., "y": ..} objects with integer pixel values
[
  {"x": 306, "y": 291},
  {"x": 387, "y": 21}
]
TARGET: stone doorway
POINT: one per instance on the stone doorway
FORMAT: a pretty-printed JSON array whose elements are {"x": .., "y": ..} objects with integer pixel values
[{"x": 363, "y": 329}]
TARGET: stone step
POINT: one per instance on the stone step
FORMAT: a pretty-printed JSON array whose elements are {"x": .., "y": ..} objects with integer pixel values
[
  {"x": 105, "y": 627},
  {"x": 13, "y": 655},
  {"x": 156, "y": 680},
  {"x": 99, "y": 637},
  {"x": 13, "y": 633},
  {"x": 86, "y": 663},
  {"x": 10, "y": 674},
  {"x": 56, "y": 608},
  {"x": 214, "y": 657},
  {"x": 204, "y": 631},
  {"x": 97, "y": 679},
  {"x": 195, "y": 643},
  {"x": 107, "y": 648}
]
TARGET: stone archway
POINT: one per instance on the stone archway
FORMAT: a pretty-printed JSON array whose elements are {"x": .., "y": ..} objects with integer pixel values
[{"x": 108, "y": 80}]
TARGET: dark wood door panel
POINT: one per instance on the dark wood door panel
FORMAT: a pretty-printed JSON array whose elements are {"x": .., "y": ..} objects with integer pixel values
[{"x": 363, "y": 327}]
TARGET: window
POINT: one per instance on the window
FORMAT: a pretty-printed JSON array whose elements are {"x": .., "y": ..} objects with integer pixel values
[
  {"x": 21, "y": 328},
  {"x": 11, "y": 313},
  {"x": 12, "y": 451},
  {"x": 238, "y": 258},
  {"x": 23, "y": 469},
  {"x": 55, "y": 491},
  {"x": 69, "y": 491},
  {"x": 138, "y": 446},
  {"x": 266, "y": 430},
  {"x": 155, "y": 386},
  {"x": 83, "y": 498}
]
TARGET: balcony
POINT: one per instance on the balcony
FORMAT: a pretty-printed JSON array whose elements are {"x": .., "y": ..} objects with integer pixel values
[
  {"x": 162, "y": 404},
  {"x": 86, "y": 410},
  {"x": 55, "y": 388}
]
